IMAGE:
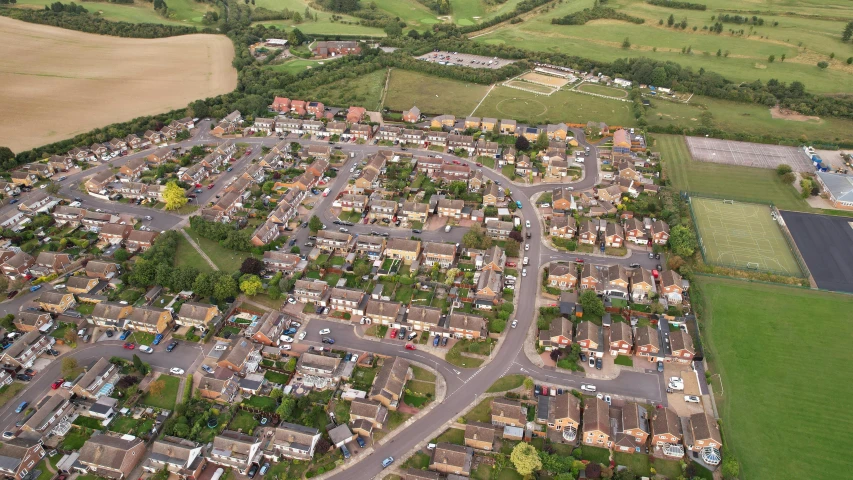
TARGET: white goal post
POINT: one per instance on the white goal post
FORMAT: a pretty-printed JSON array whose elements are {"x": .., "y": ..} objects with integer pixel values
[{"x": 729, "y": 201}]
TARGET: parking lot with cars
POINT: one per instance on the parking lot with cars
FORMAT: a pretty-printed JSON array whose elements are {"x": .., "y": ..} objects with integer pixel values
[{"x": 464, "y": 59}]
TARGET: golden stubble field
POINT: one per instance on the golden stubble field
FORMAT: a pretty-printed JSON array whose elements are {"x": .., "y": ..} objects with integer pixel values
[{"x": 56, "y": 83}]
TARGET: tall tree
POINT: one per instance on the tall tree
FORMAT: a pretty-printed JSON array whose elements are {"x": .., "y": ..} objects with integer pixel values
[
  {"x": 683, "y": 241},
  {"x": 848, "y": 32},
  {"x": 525, "y": 459},
  {"x": 315, "y": 224},
  {"x": 174, "y": 196},
  {"x": 591, "y": 303},
  {"x": 69, "y": 365}
]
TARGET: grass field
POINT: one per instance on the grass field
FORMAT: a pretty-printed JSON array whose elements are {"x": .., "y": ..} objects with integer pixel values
[
  {"x": 759, "y": 183},
  {"x": 807, "y": 32},
  {"x": 187, "y": 255},
  {"x": 542, "y": 89},
  {"x": 742, "y": 235},
  {"x": 225, "y": 259},
  {"x": 181, "y": 12},
  {"x": 603, "y": 90},
  {"x": 75, "y": 71},
  {"x": 562, "y": 106},
  {"x": 432, "y": 94},
  {"x": 167, "y": 398},
  {"x": 365, "y": 91},
  {"x": 775, "y": 403}
]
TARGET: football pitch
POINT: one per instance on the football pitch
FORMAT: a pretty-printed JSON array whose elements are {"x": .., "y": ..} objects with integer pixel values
[{"x": 742, "y": 235}]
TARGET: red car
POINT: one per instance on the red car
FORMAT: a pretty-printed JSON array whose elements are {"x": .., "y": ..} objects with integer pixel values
[
  {"x": 129, "y": 346},
  {"x": 511, "y": 264},
  {"x": 211, "y": 186},
  {"x": 479, "y": 164},
  {"x": 579, "y": 260},
  {"x": 197, "y": 185},
  {"x": 394, "y": 333},
  {"x": 55, "y": 385},
  {"x": 457, "y": 162},
  {"x": 409, "y": 346}
]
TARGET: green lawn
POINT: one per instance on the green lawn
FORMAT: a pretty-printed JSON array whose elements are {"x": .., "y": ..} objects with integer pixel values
[
  {"x": 595, "y": 454},
  {"x": 365, "y": 90},
  {"x": 141, "y": 338},
  {"x": 130, "y": 425},
  {"x": 276, "y": 377},
  {"x": 8, "y": 392},
  {"x": 688, "y": 174},
  {"x": 766, "y": 390},
  {"x": 225, "y": 259},
  {"x": 167, "y": 398},
  {"x": 88, "y": 422},
  {"x": 134, "y": 13},
  {"x": 452, "y": 435},
  {"x": 423, "y": 374},
  {"x": 187, "y": 255},
  {"x": 624, "y": 360},
  {"x": 419, "y": 460},
  {"x": 432, "y": 95},
  {"x": 244, "y": 421},
  {"x": 481, "y": 413},
  {"x": 264, "y": 403},
  {"x": 507, "y": 382},
  {"x": 76, "y": 438},
  {"x": 454, "y": 355}
]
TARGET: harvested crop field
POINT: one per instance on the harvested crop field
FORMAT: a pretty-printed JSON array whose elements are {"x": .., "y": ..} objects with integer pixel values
[{"x": 58, "y": 83}]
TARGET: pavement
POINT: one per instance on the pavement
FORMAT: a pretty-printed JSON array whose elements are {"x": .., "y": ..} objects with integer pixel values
[{"x": 463, "y": 385}]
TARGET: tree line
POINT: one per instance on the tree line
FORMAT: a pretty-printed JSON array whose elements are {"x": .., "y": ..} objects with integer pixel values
[
  {"x": 595, "y": 13},
  {"x": 83, "y": 22},
  {"x": 675, "y": 4}
]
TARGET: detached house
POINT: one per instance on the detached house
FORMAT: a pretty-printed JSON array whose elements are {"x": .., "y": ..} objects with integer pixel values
[
  {"x": 366, "y": 416},
  {"x": 15, "y": 264},
  {"x": 133, "y": 169},
  {"x": 635, "y": 232},
  {"x": 150, "y": 319},
  {"x": 499, "y": 229},
  {"x": 450, "y": 208},
  {"x": 414, "y": 212},
  {"x": 596, "y": 423},
  {"x": 112, "y": 456},
  {"x": 51, "y": 262},
  {"x": 235, "y": 450},
  {"x": 587, "y": 233},
  {"x": 28, "y": 321},
  {"x": 563, "y": 227},
  {"x": 660, "y": 232},
  {"x": 140, "y": 240},
  {"x": 590, "y": 337},
  {"x": 647, "y": 343},
  {"x": 642, "y": 285},
  {"x": 390, "y": 382},
  {"x": 346, "y": 300},
  {"x": 562, "y": 276},
  {"x": 268, "y": 329},
  {"x": 621, "y": 339},
  {"x": 631, "y": 428},
  {"x": 412, "y": 115},
  {"x": 295, "y": 441},
  {"x": 559, "y": 333},
  {"x": 102, "y": 270},
  {"x": 452, "y": 459},
  {"x": 564, "y": 415},
  {"x": 506, "y": 412},
  {"x": 613, "y": 235},
  {"x": 667, "y": 432},
  {"x": 672, "y": 286},
  {"x": 177, "y": 455},
  {"x": 702, "y": 432}
]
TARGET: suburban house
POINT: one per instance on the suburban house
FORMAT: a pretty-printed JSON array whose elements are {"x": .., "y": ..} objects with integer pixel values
[
  {"x": 383, "y": 312},
  {"x": 559, "y": 333},
  {"x": 238, "y": 355},
  {"x": 506, "y": 412},
  {"x": 672, "y": 286},
  {"x": 667, "y": 432},
  {"x": 442, "y": 254},
  {"x": 647, "y": 343},
  {"x": 235, "y": 450},
  {"x": 635, "y": 232},
  {"x": 563, "y": 227},
  {"x": 351, "y": 202},
  {"x": 412, "y": 115},
  {"x": 390, "y": 382},
  {"x": 613, "y": 235},
  {"x": 112, "y": 456},
  {"x": 557, "y": 132},
  {"x": 150, "y": 319},
  {"x": 596, "y": 423},
  {"x": 15, "y": 264},
  {"x": 56, "y": 302},
  {"x": 642, "y": 285},
  {"x": 307, "y": 291},
  {"x": 268, "y": 329},
  {"x": 197, "y": 315},
  {"x": 493, "y": 259},
  {"x": 702, "y": 432},
  {"x": 461, "y": 142},
  {"x": 414, "y": 212},
  {"x": 219, "y": 390},
  {"x": 680, "y": 345},
  {"x": 382, "y": 209},
  {"x": 564, "y": 415},
  {"x": 111, "y": 314},
  {"x": 281, "y": 262},
  {"x": 660, "y": 232},
  {"x": 24, "y": 178},
  {"x": 26, "y": 349},
  {"x": 361, "y": 132},
  {"x": 140, "y": 240},
  {"x": 631, "y": 428},
  {"x": 466, "y": 325},
  {"x": 499, "y": 229},
  {"x": 562, "y": 276},
  {"x": 423, "y": 318},
  {"x": 317, "y": 365},
  {"x": 590, "y": 337},
  {"x": 295, "y": 441},
  {"x": 51, "y": 262},
  {"x": 132, "y": 170},
  {"x": 180, "y": 456},
  {"x": 102, "y": 270},
  {"x": 621, "y": 339},
  {"x": 329, "y": 241},
  {"x": 27, "y": 321},
  {"x": 51, "y": 415},
  {"x": 370, "y": 245},
  {"x": 346, "y": 300},
  {"x": 452, "y": 459},
  {"x": 19, "y": 456},
  {"x": 587, "y": 233},
  {"x": 450, "y": 208},
  {"x": 96, "y": 380},
  {"x": 403, "y": 249},
  {"x": 489, "y": 286},
  {"x": 114, "y": 233},
  {"x": 366, "y": 416}
]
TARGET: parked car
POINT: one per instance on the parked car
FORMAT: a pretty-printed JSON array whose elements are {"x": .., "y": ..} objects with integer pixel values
[
  {"x": 286, "y": 339},
  {"x": 345, "y": 452},
  {"x": 35, "y": 287},
  {"x": 157, "y": 339},
  {"x": 207, "y": 369},
  {"x": 444, "y": 341},
  {"x": 598, "y": 363},
  {"x": 325, "y": 331},
  {"x": 409, "y": 346},
  {"x": 591, "y": 361},
  {"x": 129, "y": 346},
  {"x": 361, "y": 442},
  {"x": 21, "y": 407},
  {"x": 171, "y": 346},
  {"x": 12, "y": 294},
  {"x": 253, "y": 470},
  {"x": 388, "y": 461},
  {"x": 176, "y": 371},
  {"x": 146, "y": 349},
  {"x": 436, "y": 340},
  {"x": 110, "y": 334},
  {"x": 329, "y": 340},
  {"x": 514, "y": 323},
  {"x": 265, "y": 467},
  {"x": 691, "y": 399},
  {"x": 660, "y": 366},
  {"x": 393, "y": 333},
  {"x": 588, "y": 388},
  {"x": 55, "y": 385},
  {"x": 125, "y": 334}
]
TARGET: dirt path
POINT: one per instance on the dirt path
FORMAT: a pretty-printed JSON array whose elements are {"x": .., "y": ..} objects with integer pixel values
[{"x": 198, "y": 249}]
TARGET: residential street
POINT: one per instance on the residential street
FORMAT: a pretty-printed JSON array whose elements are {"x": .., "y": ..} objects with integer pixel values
[{"x": 463, "y": 385}]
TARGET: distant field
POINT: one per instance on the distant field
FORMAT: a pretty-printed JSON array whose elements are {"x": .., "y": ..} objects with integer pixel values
[
  {"x": 603, "y": 90},
  {"x": 745, "y": 182},
  {"x": 562, "y": 106},
  {"x": 324, "y": 23},
  {"x": 180, "y": 11},
  {"x": 79, "y": 81},
  {"x": 297, "y": 65},
  {"x": 531, "y": 86},
  {"x": 772, "y": 397},
  {"x": 365, "y": 91},
  {"x": 816, "y": 25},
  {"x": 432, "y": 94}
]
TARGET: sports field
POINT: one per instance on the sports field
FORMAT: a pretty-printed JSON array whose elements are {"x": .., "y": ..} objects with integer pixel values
[
  {"x": 547, "y": 80},
  {"x": 748, "y": 154},
  {"x": 713, "y": 178},
  {"x": 432, "y": 95},
  {"x": 783, "y": 356},
  {"x": 742, "y": 235},
  {"x": 534, "y": 87},
  {"x": 80, "y": 81},
  {"x": 603, "y": 90}
]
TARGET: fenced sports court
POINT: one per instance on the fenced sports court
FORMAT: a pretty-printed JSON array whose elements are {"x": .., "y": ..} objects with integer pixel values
[
  {"x": 744, "y": 235},
  {"x": 746, "y": 154}
]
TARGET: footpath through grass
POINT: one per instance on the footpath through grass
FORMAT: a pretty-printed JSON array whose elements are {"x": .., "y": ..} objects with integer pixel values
[
  {"x": 775, "y": 398},
  {"x": 432, "y": 94}
]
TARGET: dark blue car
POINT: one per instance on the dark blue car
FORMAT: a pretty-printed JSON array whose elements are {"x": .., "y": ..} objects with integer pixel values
[
  {"x": 436, "y": 340},
  {"x": 290, "y": 331}
]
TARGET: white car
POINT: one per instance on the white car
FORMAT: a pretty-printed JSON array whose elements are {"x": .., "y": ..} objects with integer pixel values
[
  {"x": 510, "y": 277},
  {"x": 146, "y": 349},
  {"x": 285, "y": 347},
  {"x": 177, "y": 371},
  {"x": 291, "y": 300},
  {"x": 286, "y": 339},
  {"x": 523, "y": 272},
  {"x": 354, "y": 357},
  {"x": 676, "y": 380},
  {"x": 325, "y": 331},
  {"x": 545, "y": 205},
  {"x": 221, "y": 347},
  {"x": 588, "y": 388},
  {"x": 527, "y": 223},
  {"x": 691, "y": 399},
  {"x": 526, "y": 247},
  {"x": 608, "y": 399},
  {"x": 301, "y": 335},
  {"x": 514, "y": 324}
]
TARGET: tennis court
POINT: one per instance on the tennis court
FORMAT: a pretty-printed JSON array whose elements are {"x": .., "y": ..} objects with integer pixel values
[
  {"x": 748, "y": 154},
  {"x": 742, "y": 235}
]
